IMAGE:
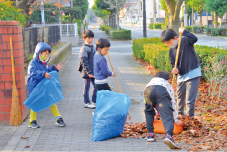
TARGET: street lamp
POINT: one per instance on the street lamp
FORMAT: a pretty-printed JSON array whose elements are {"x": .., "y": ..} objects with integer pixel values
[{"x": 144, "y": 20}]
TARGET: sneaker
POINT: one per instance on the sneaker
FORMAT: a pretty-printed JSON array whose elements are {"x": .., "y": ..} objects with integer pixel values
[
  {"x": 170, "y": 142},
  {"x": 60, "y": 122},
  {"x": 89, "y": 105},
  {"x": 150, "y": 137},
  {"x": 33, "y": 124}
]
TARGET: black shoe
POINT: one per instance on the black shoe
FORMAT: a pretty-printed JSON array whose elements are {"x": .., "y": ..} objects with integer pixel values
[
  {"x": 33, "y": 124},
  {"x": 60, "y": 122},
  {"x": 150, "y": 137},
  {"x": 170, "y": 142}
]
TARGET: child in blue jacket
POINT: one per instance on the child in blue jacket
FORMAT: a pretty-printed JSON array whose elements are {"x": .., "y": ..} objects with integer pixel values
[
  {"x": 101, "y": 71},
  {"x": 38, "y": 70}
]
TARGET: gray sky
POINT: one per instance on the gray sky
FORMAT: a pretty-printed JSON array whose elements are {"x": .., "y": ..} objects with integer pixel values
[{"x": 91, "y": 3}]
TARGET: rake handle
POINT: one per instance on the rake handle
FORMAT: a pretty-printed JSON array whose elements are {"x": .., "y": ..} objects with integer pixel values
[
  {"x": 114, "y": 76},
  {"x": 177, "y": 56}
]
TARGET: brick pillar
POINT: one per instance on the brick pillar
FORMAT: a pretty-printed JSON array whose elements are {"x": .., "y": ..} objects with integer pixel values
[{"x": 11, "y": 29}]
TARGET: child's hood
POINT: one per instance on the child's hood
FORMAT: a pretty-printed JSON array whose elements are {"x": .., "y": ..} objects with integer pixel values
[{"x": 40, "y": 47}]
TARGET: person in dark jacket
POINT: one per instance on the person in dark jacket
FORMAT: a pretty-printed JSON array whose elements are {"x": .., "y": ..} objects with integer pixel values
[
  {"x": 86, "y": 68},
  {"x": 38, "y": 70},
  {"x": 188, "y": 68},
  {"x": 159, "y": 94}
]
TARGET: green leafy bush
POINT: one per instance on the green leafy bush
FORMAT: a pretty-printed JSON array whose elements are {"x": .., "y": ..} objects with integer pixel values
[
  {"x": 49, "y": 8},
  {"x": 195, "y": 29},
  {"x": 121, "y": 34},
  {"x": 188, "y": 28},
  {"x": 164, "y": 27},
  {"x": 150, "y": 26},
  {"x": 157, "y": 26},
  {"x": 218, "y": 31},
  {"x": 107, "y": 29},
  {"x": 10, "y": 13},
  {"x": 138, "y": 46},
  {"x": 208, "y": 30}
]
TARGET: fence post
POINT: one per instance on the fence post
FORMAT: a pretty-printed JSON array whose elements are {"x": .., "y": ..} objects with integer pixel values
[{"x": 67, "y": 29}]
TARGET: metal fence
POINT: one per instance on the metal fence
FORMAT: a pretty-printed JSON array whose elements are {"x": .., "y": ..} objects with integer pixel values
[
  {"x": 33, "y": 35},
  {"x": 68, "y": 29}
]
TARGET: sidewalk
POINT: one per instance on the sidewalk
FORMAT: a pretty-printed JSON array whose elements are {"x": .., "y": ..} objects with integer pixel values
[{"x": 76, "y": 136}]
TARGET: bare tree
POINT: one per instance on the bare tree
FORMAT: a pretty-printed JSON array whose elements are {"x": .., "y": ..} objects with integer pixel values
[{"x": 116, "y": 4}]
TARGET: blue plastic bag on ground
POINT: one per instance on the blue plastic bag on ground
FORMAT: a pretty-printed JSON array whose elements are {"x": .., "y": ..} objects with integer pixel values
[
  {"x": 47, "y": 93},
  {"x": 110, "y": 115}
]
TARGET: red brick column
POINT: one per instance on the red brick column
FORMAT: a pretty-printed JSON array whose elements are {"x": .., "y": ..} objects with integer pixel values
[{"x": 11, "y": 29}]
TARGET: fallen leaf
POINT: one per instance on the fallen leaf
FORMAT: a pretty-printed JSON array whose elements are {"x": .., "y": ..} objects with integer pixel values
[
  {"x": 23, "y": 137},
  {"x": 69, "y": 88},
  {"x": 27, "y": 146}
]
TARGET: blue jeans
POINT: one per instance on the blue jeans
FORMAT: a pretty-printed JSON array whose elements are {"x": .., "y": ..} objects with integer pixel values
[{"x": 87, "y": 88}]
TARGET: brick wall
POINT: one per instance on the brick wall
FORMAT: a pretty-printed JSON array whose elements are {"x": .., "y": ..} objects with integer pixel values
[{"x": 11, "y": 29}]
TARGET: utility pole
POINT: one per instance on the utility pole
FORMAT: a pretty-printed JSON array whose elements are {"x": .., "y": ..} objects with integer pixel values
[
  {"x": 154, "y": 11},
  {"x": 139, "y": 9},
  {"x": 185, "y": 14},
  {"x": 144, "y": 20},
  {"x": 71, "y": 3},
  {"x": 42, "y": 12}
]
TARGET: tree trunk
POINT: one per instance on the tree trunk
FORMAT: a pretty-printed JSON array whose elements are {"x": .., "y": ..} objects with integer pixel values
[
  {"x": 118, "y": 24},
  {"x": 201, "y": 21},
  {"x": 192, "y": 16},
  {"x": 216, "y": 19},
  {"x": 110, "y": 20},
  {"x": 174, "y": 14}
]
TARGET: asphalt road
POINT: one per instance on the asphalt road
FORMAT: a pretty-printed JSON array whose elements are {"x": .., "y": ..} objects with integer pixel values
[{"x": 137, "y": 33}]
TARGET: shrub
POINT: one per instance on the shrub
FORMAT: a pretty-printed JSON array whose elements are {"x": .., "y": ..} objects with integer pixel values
[
  {"x": 10, "y": 13},
  {"x": 188, "y": 28},
  {"x": 218, "y": 31},
  {"x": 150, "y": 26},
  {"x": 157, "y": 26},
  {"x": 195, "y": 29},
  {"x": 122, "y": 34},
  {"x": 164, "y": 27},
  {"x": 107, "y": 29},
  {"x": 138, "y": 46},
  {"x": 208, "y": 30}
]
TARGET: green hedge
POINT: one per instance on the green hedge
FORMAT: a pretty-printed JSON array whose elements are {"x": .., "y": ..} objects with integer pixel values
[
  {"x": 208, "y": 30},
  {"x": 164, "y": 27},
  {"x": 122, "y": 34},
  {"x": 218, "y": 31},
  {"x": 107, "y": 30},
  {"x": 150, "y": 26},
  {"x": 154, "y": 51},
  {"x": 157, "y": 26},
  {"x": 188, "y": 28}
]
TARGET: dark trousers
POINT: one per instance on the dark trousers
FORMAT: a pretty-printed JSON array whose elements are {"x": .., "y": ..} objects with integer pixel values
[
  {"x": 157, "y": 95},
  {"x": 104, "y": 86},
  {"x": 87, "y": 88}
]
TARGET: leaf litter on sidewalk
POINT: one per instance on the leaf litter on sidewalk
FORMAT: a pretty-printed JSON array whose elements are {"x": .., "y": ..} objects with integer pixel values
[{"x": 205, "y": 132}]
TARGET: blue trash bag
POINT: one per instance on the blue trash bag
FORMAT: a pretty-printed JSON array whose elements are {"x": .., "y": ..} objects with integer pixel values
[
  {"x": 47, "y": 93},
  {"x": 110, "y": 115}
]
